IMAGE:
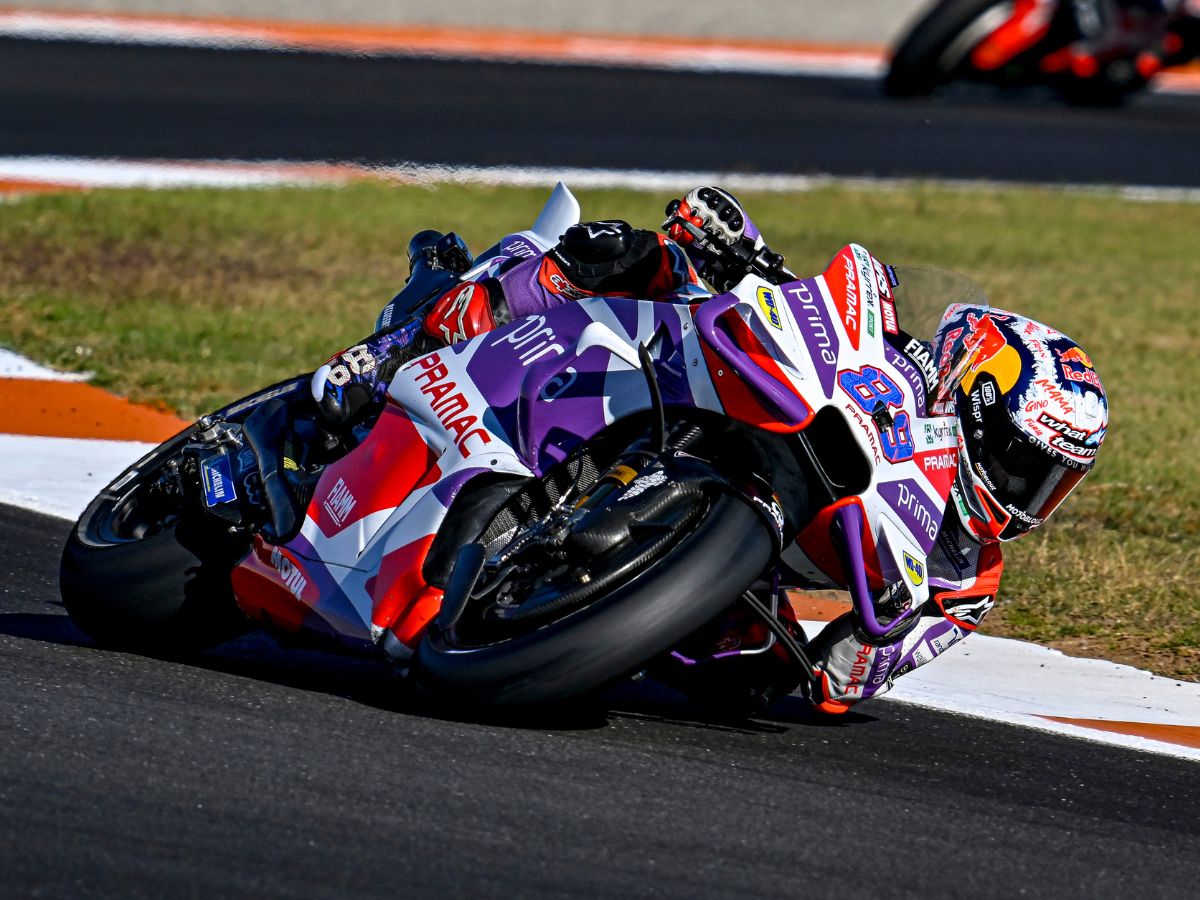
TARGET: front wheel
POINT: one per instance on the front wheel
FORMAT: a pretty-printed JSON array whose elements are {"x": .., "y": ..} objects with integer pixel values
[{"x": 617, "y": 631}]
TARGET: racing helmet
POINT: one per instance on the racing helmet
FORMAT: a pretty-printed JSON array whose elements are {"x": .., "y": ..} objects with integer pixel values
[{"x": 1032, "y": 414}]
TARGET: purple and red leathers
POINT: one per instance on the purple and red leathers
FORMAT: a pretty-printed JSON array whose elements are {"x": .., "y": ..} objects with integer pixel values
[
  {"x": 850, "y": 667},
  {"x": 609, "y": 259},
  {"x": 592, "y": 259}
]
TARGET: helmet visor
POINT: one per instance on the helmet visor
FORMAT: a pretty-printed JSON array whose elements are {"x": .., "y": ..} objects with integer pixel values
[{"x": 1023, "y": 477}]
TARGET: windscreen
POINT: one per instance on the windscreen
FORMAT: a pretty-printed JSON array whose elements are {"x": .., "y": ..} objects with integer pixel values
[{"x": 927, "y": 298}]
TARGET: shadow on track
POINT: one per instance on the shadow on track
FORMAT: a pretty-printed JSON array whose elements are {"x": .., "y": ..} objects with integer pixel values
[{"x": 378, "y": 684}]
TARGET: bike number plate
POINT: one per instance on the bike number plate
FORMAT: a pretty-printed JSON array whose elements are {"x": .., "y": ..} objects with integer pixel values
[{"x": 218, "y": 480}]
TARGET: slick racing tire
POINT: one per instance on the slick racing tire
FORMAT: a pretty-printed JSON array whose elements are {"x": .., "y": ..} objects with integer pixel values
[
  {"x": 935, "y": 48},
  {"x": 144, "y": 579},
  {"x": 617, "y": 632}
]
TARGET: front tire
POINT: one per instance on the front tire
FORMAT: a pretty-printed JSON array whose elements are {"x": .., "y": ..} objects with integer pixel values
[{"x": 618, "y": 631}]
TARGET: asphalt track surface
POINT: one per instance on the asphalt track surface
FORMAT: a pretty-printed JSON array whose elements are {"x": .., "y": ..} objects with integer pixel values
[
  {"x": 254, "y": 770},
  {"x": 158, "y": 102}
]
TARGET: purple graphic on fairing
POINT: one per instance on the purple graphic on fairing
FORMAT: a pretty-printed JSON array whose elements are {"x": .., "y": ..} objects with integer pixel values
[
  {"x": 816, "y": 326},
  {"x": 915, "y": 509},
  {"x": 791, "y": 410},
  {"x": 550, "y": 380}
]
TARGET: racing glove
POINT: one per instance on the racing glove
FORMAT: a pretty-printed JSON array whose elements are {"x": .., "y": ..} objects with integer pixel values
[
  {"x": 718, "y": 235},
  {"x": 353, "y": 382}
]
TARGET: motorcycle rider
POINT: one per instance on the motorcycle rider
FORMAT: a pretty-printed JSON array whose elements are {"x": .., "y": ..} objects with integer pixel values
[{"x": 1031, "y": 414}]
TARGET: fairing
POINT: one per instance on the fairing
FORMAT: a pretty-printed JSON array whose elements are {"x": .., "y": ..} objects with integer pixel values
[{"x": 519, "y": 399}]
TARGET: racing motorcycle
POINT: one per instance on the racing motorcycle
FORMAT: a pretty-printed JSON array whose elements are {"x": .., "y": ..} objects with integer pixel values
[
  {"x": 561, "y": 502},
  {"x": 1091, "y": 51}
]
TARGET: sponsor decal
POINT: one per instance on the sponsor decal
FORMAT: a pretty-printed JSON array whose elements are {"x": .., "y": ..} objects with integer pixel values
[
  {"x": 915, "y": 569},
  {"x": 870, "y": 431},
  {"x": 643, "y": 483},
  {"x": 882, "y": 280},
  {"x": 971, "y": 611},
  {"x": 948, "y": 346},
  {"x": 1077, "y": 356},
  {"x": 766, "y": 302},
  {"x": 774, "y": 510},
  {"x": 988, "y": 390},
  {"x": 339, "y": 503},
  {"x": 866, "y": 275},
  {"x": 1062, "y": 427},
  {"x": 533, "y": 338},
  {"x": 519, "y": 247},
  {"x": 1067, "y": 446},
  {"x": 557, "y": 386},
  {"x": 862, "y": 661},
  {"x": 289, "y": 573},
  {"x": 939, "y": 468},
  {"x": 218, "y": 480},
  {"x": 941, "y": 432},
  {"x": 1085, "y": 377},
  {"x": 456, "y": 311},
  {"x": 888, "y": 308},
  {"x": 905, "y": 367},
  {"x": 448, "y": 403},
  {"x": 842, "y": 280},
  {"x": 990, "y": 353},
  {"x": 913, "y": 507},
  {"x": 922, "y": 357},
  {"x": 552, "y": 279},
  {"x": 871, "y": 322},
  {"x": 816, "y": 327}
]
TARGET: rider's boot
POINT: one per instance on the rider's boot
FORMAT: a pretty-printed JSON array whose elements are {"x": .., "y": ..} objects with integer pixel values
[{"x": 849, "y": 667}]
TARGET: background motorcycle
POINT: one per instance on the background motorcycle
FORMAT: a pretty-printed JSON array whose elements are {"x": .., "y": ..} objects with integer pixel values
[
  {"x": 1092, "y": 51},
  {"x": 614, "y": 474}
]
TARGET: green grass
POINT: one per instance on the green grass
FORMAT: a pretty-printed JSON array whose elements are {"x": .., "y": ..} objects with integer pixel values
[{"x": 194, "y": 297}]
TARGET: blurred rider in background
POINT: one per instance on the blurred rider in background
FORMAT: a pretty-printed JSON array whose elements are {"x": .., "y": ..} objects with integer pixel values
[{"x": 1031, "y": 416}]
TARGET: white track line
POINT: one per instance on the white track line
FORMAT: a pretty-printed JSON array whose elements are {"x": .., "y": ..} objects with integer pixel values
[{"x": 77, "y": 172}]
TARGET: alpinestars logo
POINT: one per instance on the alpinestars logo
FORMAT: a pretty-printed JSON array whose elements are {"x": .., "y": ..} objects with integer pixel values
[{"x": 457, "y": 306}]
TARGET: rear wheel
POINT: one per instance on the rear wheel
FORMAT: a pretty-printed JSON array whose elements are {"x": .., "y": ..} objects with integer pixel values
[
  {"x": 551, "y": 639},
  {"x": 937, "y": 46},
  {"x": 141, "y": 570}
]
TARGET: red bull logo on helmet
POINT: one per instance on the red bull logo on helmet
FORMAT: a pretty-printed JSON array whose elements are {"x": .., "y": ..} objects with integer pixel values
[
  {"x": 1077, "y": 356},
  {"x": 990, "y": 352}
]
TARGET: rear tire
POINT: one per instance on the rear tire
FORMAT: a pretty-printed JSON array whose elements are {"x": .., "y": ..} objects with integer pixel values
[
  {"x": 131, "y": 579},
  {"x": 617, "y": 632},
  {"x": 918, "y": 66}
]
